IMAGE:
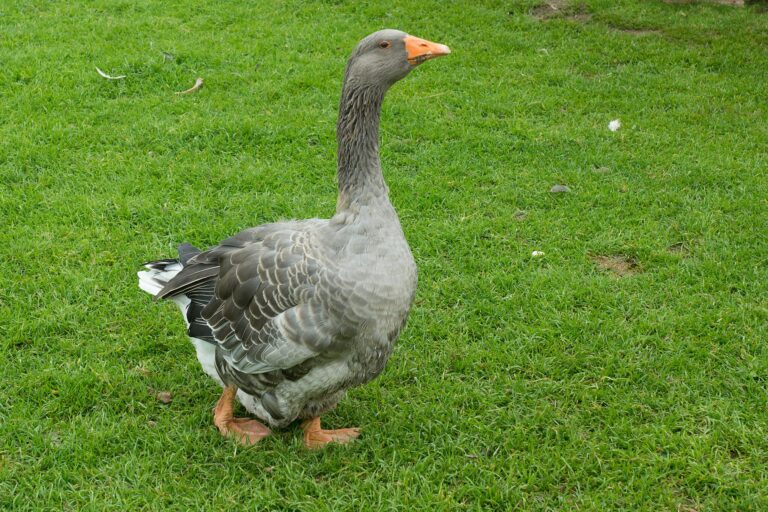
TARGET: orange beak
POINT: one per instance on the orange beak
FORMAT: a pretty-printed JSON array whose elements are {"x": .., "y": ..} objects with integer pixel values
[{"x": 420, "y": 50}]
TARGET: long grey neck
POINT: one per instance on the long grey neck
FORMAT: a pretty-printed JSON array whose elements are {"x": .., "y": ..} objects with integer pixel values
[{"x": 357, "y": 134}]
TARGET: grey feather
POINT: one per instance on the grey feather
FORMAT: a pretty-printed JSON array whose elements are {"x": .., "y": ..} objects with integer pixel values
[{"x": 302, "y": 310}]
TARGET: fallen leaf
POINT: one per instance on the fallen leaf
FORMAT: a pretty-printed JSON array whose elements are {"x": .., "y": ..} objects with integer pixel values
[{"x": 164, "y": 397}]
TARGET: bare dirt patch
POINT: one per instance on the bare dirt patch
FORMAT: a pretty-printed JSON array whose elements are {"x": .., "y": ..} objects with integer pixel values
[
  {"x": 584, "y": 17},
  {"x": 619, "y": 264},
  {"x": 551, "y": 9},
  {"x": 561, "y": 9}
]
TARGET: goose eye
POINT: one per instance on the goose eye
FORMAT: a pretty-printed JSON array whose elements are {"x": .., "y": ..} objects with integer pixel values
[{"x": 385, "y": 44}]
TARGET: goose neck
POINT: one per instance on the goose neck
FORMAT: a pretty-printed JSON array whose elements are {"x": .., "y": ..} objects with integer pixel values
[{"x": 357, "y": 133}]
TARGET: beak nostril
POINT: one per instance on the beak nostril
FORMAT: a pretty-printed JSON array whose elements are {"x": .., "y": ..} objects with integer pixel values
[{"x": 419, "y": 50}]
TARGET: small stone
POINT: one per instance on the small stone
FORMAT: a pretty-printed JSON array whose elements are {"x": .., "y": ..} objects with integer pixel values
[
  {"x": 164, "y": 397},
  {"x": 559, "y": 189},
  {"x": 537, "y": 254},
  {"x": 520, "y": 215}
]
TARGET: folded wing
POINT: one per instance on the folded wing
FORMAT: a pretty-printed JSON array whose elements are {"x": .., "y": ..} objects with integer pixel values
[{"x": 265, "y": 313}]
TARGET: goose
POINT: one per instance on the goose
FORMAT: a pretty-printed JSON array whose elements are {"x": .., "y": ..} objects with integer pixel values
[{"x": 288, "y": 316}]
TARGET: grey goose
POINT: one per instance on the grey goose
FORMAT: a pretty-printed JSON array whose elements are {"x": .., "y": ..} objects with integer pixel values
[{"x": 287, "y": 316}]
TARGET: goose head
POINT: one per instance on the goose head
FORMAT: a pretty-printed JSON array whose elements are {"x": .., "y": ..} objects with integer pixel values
[{"x": 386, "y": 56}]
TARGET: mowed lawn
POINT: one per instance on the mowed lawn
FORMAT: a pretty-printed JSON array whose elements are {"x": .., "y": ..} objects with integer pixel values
[{"x": 625, "y": 369}]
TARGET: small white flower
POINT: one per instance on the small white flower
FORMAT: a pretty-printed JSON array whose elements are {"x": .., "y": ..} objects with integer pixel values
[
  {"x": 537, "y": 254},
  {"x": 614, "y": 125}
]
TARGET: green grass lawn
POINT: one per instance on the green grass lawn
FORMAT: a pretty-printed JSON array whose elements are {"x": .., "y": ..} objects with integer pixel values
[{"x": 547, "y": 383}]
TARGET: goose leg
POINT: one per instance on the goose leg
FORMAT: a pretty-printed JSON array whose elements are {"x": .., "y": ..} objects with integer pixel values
[
  {"x": 245, "y": 431},
  {"x": 315, "y": 437}
]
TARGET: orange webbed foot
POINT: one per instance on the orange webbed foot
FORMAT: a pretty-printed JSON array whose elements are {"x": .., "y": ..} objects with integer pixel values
[
  {"x": 244, "y": 430},
  {"x": 315, "y": 437}
]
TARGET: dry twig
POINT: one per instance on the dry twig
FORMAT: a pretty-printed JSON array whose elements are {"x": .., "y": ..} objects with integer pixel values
[{"x": 198, "y": 85}]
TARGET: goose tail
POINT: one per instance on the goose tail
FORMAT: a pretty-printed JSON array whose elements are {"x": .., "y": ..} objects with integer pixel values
[{"x": 158, "y": 273}]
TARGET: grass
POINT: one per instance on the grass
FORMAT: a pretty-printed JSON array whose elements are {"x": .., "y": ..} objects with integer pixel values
[{"x": 550, "y": 383}]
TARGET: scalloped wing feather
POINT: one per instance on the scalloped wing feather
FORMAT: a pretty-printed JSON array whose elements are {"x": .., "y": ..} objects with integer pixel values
[{"x": 261, "y": 311}]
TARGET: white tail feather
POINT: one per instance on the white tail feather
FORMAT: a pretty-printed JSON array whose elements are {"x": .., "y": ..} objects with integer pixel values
[
  {"x": 153, "y": 280},
  {"x": 148, "y": 283}
]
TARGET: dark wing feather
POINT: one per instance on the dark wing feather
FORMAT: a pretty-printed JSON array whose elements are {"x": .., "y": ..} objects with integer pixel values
[
  {"x": 202, "y": 267},
  {"x": 199, "y": 297},
  {"x": 185, "y": 282},
  {"x": 259, "y": 287}
]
